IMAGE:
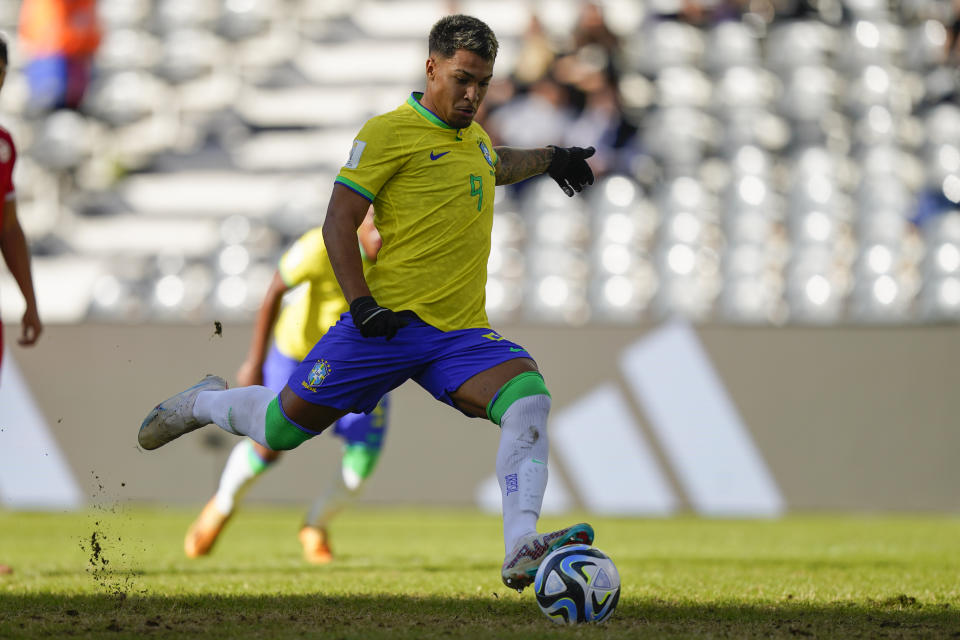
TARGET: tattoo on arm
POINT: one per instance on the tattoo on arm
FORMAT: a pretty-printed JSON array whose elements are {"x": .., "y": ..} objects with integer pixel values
[{"x": 514, "y": 165}]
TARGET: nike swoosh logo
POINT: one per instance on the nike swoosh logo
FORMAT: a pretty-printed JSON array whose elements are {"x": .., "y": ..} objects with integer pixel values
[
  {"x": 514, "y": 349},
  {"x": 434, "y": 156}
]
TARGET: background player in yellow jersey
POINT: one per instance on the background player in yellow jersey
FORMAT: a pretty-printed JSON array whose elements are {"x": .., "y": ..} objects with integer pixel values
[
  {"x": 294, "y": 329},
  {"x": 418, "y": 313}
]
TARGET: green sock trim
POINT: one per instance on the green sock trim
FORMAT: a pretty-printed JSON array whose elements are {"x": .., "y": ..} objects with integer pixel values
[
  {"x": 360, "y": 459},
  {"x": 257, "y": 464},
  {"x": 528, "y": 383},
  {"x": 280, "y": 433}
]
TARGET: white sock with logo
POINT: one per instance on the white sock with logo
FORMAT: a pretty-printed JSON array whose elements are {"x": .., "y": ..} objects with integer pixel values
[
  {"x": 522, "y": 466},
  {"x": 241, "y": 411}
]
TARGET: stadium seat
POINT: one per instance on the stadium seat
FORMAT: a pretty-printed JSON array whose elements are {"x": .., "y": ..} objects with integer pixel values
[
  {"x": 751, "y": 300},
  {"x": 189, "y": 53},
  {"x": 743, "y": 87},
  {"x": 504, "y": 298},
  {"x": 924, "y": 46},
  {"x": 683, "y": 86},
  {"x": 809, "y": 92},
  {"x": 173, "y": 15},
  {"x": 122, "y": 98},
  {"x": 634, "y": 227},
  {"x": 885, "y": 298},
  {"x": 689, "y": 297},
  {"x": 685, "y": 193},
  {"x": 65, "y": 139},
  {"x": 361, "y": 62},
  {"x": 881, "y": 226},
  {"x": 940, "y": 299},
  {"x": 623, "y": 299},
  {"x": 869, "y": 42},
  {"x": 942, "y": 123},
  {"x": 942, "y": 259},
  {"x": 552, "y": 298},
  {"x": 679, "y": 137},
  {"x": 798, "y": 43},
  {"x": 117, "y": 294},
  {"x": 867, "y": 9},
  {"x": 659, "y": 45},
  {"x": 123, "y": 14},
  {"x": 243, "y": 20},
  {"x": 758, "y": 126},
  {"x": 730, "y": 44},
  {"x": 127, "y": 49},
  {"x": 614, "y": 193}
]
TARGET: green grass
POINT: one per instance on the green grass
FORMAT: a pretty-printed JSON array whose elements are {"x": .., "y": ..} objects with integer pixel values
[{"x": 403, "y": 573}]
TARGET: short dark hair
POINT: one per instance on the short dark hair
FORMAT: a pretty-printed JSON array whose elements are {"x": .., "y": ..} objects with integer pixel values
[
  {"x": 458, "y": 31},
  {"x": 3, "y": 49}
]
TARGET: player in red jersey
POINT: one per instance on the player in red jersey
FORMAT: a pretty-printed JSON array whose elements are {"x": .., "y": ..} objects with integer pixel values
[{"x": 13, "y": 244}]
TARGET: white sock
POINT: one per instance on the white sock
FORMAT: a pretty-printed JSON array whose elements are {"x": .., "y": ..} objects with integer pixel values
[
  {"x": 241, "y": 411},
  {"x": 522, "y": 466},
  {"x": 345, "y": 485},
  {"x": 242, "y": 468}
]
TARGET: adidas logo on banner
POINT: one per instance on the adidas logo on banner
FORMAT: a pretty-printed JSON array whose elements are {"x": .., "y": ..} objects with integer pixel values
[
  {"x": 34, "y": 473},
  {"x": 599, "y": 444}
]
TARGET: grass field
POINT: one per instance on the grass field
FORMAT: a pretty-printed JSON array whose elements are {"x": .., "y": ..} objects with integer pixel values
[{"x": 119, "y": 572}]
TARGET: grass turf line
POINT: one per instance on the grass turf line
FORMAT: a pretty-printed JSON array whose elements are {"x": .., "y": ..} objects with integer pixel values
[{"x": 119, "y": 572}]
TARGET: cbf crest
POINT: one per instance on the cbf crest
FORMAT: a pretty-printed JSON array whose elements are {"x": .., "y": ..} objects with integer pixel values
[
  {"x": 317, "y": 375},
  {"x": 486, "y": 153}
]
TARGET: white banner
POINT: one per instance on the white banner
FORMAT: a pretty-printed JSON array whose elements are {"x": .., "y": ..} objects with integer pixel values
[{"x": 33, "y": 472}]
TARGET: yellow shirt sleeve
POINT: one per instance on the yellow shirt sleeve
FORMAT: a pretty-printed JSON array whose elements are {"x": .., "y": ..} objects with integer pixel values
[{"x": 376, "y": 155}]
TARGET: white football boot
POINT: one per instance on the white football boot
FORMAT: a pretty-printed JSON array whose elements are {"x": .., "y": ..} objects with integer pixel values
[
  {"x": 521, "y": 564},
  {"x": 174, "y": 416}
]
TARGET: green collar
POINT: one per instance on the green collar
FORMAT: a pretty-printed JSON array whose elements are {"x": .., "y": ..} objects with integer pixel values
[{"x": 414, "y": 101}]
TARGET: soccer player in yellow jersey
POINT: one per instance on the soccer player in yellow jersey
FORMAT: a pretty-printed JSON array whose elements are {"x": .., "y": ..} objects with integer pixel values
[
  {"x": 295, "y": 328},
  {"x": 419, "y": 312}
]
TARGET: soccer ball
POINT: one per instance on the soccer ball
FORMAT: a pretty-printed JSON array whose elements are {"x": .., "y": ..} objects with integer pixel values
[{"x": 577, "y": 583}]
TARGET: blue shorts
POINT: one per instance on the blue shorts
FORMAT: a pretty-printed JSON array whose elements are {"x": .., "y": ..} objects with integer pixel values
[
  {"x": 346, "y": 371},
  {"x": 354, "y": 428}
]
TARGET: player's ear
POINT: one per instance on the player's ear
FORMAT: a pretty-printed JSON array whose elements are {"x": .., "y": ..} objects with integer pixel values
[{"x": 431, "y": 68}]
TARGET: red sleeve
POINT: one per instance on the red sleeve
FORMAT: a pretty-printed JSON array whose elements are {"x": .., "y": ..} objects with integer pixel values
[{"x": 8, "y": 157}]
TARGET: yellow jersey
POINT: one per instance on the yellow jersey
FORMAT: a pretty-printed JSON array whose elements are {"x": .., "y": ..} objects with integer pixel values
[
  {"x": 432, "y": 187},
  {"x": 304, "y": 320}
]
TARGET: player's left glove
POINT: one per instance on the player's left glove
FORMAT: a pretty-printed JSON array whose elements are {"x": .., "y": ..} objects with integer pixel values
[
  {"x": 570, "y": 169},
  {"x": 373, "y": 320}
]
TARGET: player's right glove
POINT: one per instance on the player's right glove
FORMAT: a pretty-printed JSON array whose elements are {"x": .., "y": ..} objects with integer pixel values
[
  {"x": 570, "y": 169},
  {"x": 373, "y": 320}
]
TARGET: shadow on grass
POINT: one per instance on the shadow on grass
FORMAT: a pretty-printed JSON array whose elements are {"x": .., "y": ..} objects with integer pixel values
[
  {"x": 228, "y": 567},
  {"x": 475, "y": 616}
]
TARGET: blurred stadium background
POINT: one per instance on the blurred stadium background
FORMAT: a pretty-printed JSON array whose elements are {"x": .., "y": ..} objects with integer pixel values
[{"x": 783, "y": 175}]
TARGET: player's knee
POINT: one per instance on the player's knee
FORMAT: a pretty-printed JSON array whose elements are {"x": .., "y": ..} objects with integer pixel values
[
  {"x": 528, "y": 384},
  {"x": 280, "y": 432},
  {"x": 359, "y": 461}
]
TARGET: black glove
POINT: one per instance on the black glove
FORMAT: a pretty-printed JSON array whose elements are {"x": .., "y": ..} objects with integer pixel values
[
  {"x": 373, "y": 320},
  {"x": 570, "y": 169}
]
